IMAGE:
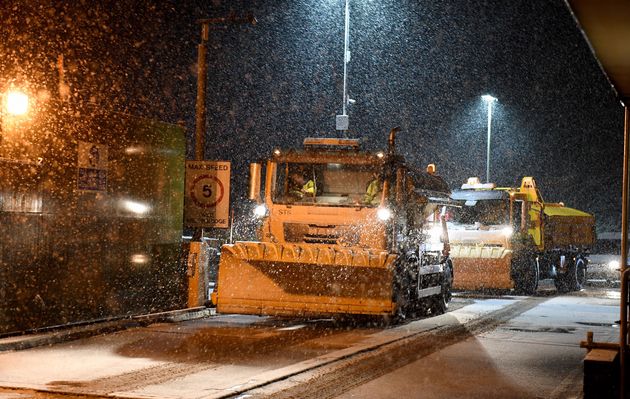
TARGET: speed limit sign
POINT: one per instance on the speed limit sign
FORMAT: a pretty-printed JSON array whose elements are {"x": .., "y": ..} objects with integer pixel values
[
  {"x": 206, "y": 203},
  {"x": 207, "y": 191}
]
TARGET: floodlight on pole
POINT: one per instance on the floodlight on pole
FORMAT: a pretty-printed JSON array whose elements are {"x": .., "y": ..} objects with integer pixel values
[
  {"x": 17, "y": 102},
  {"x": 488, "y": 99}
]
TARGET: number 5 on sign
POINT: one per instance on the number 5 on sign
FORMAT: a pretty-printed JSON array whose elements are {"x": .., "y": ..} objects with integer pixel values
[
  {"x": 207, "y": 191},
  {"x": 207, "y": 196}
]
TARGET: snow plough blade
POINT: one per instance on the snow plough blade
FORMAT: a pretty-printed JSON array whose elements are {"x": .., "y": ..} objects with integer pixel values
[
  {"x": 481, "y": 268},
  {"x": 303, "y": 280}
]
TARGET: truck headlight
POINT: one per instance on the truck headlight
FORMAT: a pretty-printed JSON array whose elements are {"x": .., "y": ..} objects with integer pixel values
[
  {"x": 260, "y": 210},
  {"x": 383, "y": 214},
  {"x": 435, "y": 234},
  {"x": 613, "y": 265}
]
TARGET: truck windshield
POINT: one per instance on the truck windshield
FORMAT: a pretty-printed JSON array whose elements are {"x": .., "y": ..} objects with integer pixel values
[
  {"x": 484, "y": 212},
  {"x": 328, "y": 184}
]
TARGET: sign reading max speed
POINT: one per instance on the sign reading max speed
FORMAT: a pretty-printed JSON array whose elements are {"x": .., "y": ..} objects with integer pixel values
[{"x": 207, "y": 199}]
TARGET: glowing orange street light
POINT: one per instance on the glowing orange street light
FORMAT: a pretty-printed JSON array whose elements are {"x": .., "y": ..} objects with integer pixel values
[{"x": 17, "y": 103}]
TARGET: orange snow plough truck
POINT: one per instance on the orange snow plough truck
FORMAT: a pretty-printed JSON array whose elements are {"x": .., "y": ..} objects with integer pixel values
[
  {"x": 509, "y": 238},
  {"x": 341, "y": 231}
]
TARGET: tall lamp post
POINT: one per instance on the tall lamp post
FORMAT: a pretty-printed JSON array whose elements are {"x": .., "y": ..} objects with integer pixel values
[
  {"x": 202, "y": 70},
  {"x": 489, "y": 100}
]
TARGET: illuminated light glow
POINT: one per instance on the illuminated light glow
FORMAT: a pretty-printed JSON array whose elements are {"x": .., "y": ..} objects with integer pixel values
[
  {"x": 276, "y": 151},
  {"x": 475, "y": 183},
  {"x": 138, "y": 208},
  {"x": 380, "y": 154},
  {"x": 384, "y": 214},
  {"x": 139, "y": 259},
  {"x": 472, "y": 181},
  {"x": 260, "y": 210},
  {"x": 435, "y": 234},
  {"x": 134, "y": 150},
  {"x": 17, "y": 103},
  {"x": 292, "y": 328},
  {"x": 488, "y": 98},
  {"x": 507, "y": 231},
  {"x": 613, "y": 265}
]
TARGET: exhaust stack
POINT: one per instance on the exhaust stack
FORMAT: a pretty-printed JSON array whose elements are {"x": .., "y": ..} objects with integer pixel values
[{"x": 391, "y": 145}]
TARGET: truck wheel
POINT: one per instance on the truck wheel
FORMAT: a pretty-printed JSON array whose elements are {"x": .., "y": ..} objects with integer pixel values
[
  {"x": 402, "y": 294},
  {"x": 439, "y": 304},
  {"x": 574, "y": 278},
  {"x": 526, "y": 275}
]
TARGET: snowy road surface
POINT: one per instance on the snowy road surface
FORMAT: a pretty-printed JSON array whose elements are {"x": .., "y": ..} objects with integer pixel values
[{"x": 485, "y": 347}]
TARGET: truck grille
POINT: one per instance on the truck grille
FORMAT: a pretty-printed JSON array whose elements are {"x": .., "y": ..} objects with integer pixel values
[
  {"x": 321, "y": 239},
  {"x": 317, "y": 234}
]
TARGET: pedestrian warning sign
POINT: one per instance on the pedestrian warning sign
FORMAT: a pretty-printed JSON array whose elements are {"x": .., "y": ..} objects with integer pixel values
[{"x": 207, "y": 198}]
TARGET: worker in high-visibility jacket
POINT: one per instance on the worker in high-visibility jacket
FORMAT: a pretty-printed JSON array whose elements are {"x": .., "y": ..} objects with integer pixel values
[
  {"x": 301, "y": 187},
  {"x": 373, "y": 190}
]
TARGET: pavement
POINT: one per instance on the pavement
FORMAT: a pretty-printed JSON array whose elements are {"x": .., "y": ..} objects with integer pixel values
[
  {"x": 535, "y": 355},
  {"x": 55, "y": 335}
]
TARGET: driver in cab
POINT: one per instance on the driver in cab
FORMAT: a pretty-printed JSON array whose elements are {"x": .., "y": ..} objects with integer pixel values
[{"x": 300, "y": 187}]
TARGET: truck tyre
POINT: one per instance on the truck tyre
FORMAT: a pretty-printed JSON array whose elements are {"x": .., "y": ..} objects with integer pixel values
[
  {"x": 439, "y": 303},
  {"x": 574, "y": 278},
  {"x": 526, "y": 275},
  {"x": 403, "y": 292}
]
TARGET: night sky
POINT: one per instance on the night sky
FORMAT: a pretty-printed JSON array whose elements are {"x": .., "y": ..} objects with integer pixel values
[{"x": 421, "y": 65}]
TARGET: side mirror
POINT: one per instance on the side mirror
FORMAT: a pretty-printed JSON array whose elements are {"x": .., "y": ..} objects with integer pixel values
[{"x": 254, "y": 181}]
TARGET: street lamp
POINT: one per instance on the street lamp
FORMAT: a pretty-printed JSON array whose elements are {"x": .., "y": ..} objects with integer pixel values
[
  {"x": 16, "y": 104},
  {"x": 489, "y": 100}
]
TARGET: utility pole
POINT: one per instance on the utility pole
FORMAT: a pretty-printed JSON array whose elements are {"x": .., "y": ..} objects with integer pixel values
[
  {"x": 342, "y": 121},
  {"x": 202, "y": 71},
  {"x": 489, "y": 100},
  {"x": 202, "y": 79}
]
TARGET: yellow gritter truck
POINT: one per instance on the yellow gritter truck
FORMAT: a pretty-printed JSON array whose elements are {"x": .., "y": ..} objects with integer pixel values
[
  {"x": 504, "y": 238},
  {"x": 342, "y": 231}
]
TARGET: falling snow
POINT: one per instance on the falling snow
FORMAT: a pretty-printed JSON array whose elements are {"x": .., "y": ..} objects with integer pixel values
[{"x": 420, "y": 65}]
